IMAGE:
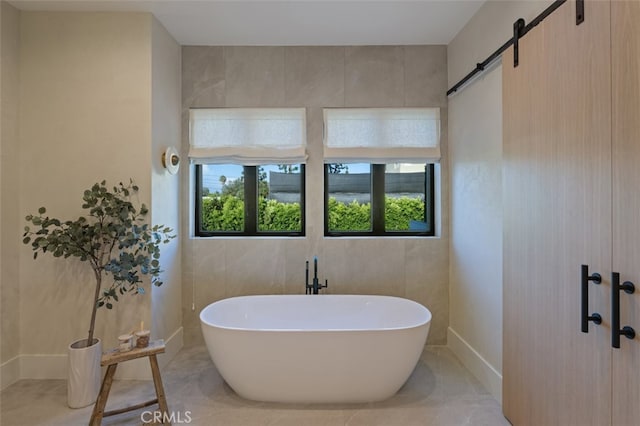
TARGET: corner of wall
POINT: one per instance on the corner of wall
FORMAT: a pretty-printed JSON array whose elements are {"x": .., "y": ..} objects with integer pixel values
[
  {"x": 475, "y": 160},
  {"x": 9, "y": 372},
  {"x": 166, "y": 104},
  {"x": 490, "y": 378},
  {"x": 78, "y": 124},
  {"x": 10, "y": 229},
  {"x": 54, "y": 366}
]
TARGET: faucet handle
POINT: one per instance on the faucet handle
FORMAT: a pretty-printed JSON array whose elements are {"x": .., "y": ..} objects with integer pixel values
[{"x": 326, "y": 284}]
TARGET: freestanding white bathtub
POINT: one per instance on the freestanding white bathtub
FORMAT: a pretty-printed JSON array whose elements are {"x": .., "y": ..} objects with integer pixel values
[{"x": 315, "y": 348}]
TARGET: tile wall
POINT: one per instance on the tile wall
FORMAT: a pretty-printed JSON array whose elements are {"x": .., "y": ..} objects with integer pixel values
[{"x": 315, "y": 77}]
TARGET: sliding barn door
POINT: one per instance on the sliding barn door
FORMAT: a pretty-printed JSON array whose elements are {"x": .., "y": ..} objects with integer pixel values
[
  {"x": 625, "y": 61},
  {"x": 557, "y": 213}
]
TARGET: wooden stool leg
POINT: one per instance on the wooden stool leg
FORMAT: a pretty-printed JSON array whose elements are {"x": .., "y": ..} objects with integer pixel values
[
  {"x": 157, "y": 381},
  {"x": 101, "y": 402}
]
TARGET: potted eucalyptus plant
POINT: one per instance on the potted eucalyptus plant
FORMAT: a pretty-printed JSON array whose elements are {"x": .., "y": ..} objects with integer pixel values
[{"x": 116, "y": 242}]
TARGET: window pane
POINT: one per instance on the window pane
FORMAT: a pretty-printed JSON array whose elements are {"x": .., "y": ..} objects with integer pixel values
[
  {"x": 222, "y": 198},
  {"x": 279, "y": 197},
  {"x": 404, "y": 188},
  {"x": 349, "y": 207}
]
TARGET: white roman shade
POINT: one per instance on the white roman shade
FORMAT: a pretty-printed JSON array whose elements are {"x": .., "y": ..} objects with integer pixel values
[
  {"x": 247, "y": 136},
  {"x": 381, "y": 135}
]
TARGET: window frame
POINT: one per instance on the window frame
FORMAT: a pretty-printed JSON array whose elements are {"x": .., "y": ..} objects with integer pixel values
[
  {"x": 251, "y": 214},
  {"x": 378, "y": 206}
]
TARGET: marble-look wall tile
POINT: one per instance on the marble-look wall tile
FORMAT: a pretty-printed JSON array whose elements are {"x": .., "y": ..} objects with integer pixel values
[
  {"x": 210, "y": 271},
  {"x": 365, "y": 266},
  {"x": 190, "y": 322},
  {"x": 254, "y": 76},
  {"x": 314, "y": 76},
  {"x": 425, "y": 71},
  {"x": 374, "y": 76},
  {"x": 314, "y": 182},
  {"x": 204, "y": 282},
  {"x": 203, "y": 79},
  {"x": 203, "y": 86},
  {"x": 297, "y": 253},
  {"x": 444, "y": 173},
  {"x": 256, "y": 268},
  {"x": 426, "y": 282},
  {"x": 317, "y": 77}
]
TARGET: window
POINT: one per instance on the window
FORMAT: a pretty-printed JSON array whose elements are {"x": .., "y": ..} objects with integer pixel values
[
  {"x": 379, "y": 170},
  {"x": 249, "y": 171},
  {"x": 379, "y": 199},
  {"x": 249, "y": 200}
]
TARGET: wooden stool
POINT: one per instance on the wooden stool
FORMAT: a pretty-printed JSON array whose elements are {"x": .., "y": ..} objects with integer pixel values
[{"x": 111, "y": 359}]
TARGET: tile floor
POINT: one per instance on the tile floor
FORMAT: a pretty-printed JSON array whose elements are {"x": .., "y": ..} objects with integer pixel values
[{"x": 439, "y": 392}]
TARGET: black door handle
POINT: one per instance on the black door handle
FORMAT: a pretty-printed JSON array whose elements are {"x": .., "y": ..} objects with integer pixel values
[
  {"x": 584, "y": 311},
  {"x": 616, "y": 331}
]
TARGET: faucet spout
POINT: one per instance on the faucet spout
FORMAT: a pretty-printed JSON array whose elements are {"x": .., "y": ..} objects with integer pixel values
[
  {"x": 315, "y": 267},
  {"x": 315, "y": 283}
]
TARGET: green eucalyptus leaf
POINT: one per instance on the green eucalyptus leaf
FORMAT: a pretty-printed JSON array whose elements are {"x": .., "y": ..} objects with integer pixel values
[{"x": 112, "y": 235}]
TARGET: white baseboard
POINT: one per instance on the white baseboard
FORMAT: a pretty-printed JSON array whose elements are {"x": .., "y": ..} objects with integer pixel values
[
  {"x": 479, "y": 367},
  {"x": 43, "y": 366},
  {"x": 174, "y": 343},
  {"x": 9, "y": 372},
  {"x": 55, "y": 366}
]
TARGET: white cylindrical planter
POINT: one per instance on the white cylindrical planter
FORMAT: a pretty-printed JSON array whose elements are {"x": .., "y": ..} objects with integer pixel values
[{"x": 83, "y": 385}]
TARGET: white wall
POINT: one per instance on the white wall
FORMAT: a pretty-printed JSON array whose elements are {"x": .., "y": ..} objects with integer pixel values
[
  {"x": 475, "y": 158},
  {"x": 166, "y": 312},
  {"x": 10, "y": 229},
  {"x": 86, "y": 114}
]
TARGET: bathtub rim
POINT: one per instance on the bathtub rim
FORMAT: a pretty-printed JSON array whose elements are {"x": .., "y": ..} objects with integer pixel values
[{"x": 428, "y": 316}]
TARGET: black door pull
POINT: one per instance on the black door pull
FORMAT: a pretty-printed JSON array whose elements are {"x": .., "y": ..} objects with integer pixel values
[
  {"x": 584, "y": 311},
  {"x": 616, "y": 331}
]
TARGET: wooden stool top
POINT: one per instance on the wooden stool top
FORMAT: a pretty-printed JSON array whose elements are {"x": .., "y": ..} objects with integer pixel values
[
  {"x": 114, "y": 356},
  {"x": 111, "y": 358}
]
